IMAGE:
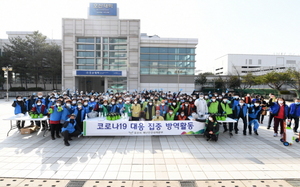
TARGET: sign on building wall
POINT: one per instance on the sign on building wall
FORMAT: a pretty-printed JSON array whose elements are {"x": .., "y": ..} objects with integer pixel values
[
  {"x": 103, "y": 9},
  {"x": 100, "y": 73}
]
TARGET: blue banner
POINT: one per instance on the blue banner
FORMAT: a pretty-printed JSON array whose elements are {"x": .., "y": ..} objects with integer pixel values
[
  {"x": 114, "y": 73},
  {"x": 103, "y": 9}
]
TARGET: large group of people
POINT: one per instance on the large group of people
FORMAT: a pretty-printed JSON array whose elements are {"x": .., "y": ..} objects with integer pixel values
[{"x": 67, "y": 111}]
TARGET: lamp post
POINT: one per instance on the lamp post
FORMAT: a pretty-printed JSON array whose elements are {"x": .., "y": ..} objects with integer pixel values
[
  {"x": 178, "y": 71},
  {"x": 6, "y": 70}
]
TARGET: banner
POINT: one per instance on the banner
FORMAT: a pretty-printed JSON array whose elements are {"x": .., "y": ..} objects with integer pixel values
[{"x": 94, "y": 127}]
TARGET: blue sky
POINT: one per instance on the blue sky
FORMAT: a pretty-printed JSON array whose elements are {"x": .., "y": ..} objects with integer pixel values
[{"x": 221, "y": 26}]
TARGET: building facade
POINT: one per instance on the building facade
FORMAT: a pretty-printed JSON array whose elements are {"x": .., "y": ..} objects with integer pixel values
[
  {"x": 233, "y": 64},
  {"x": 104, "y": 52}
]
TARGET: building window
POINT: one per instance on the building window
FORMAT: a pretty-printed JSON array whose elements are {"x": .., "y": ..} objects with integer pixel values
[
  {"x": 259, "y": 61},
  {"x": 246, "y": 62},
  {"x": 113, "y": 51},
  {"x": 160, "y": 58},
  {"x": 250, "y": 61}
]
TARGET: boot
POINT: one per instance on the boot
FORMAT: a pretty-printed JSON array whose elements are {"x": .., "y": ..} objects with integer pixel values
[{"x": 67, "y": 143}]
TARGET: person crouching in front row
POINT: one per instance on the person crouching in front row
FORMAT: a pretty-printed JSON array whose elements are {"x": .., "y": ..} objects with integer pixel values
[
  {"x": 70, "y": 129},
  {"x": 211, "y": 128},
  {"x": 157, "y": 116}
]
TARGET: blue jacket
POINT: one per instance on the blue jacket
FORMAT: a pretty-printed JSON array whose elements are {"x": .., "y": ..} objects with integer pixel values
[
  {"x": 294, "y": 110},
  {"x": 82, "y": 113},
  {"x": 55, "y": 116},
  {"x": 66, "y": 113},
  {"x": 237, "y": 108},
  {"x": 234, "y": 102},
  {"x": 114, "y": 108},
  {"x": 20, "y": 107},
  {"x": 274, "y": 109},
  {"x": 254, "y": 112},
  {"x": 69, "y": 126}
]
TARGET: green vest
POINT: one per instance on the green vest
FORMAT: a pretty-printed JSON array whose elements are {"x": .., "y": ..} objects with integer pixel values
[
  {"x": 170, "y": 118},
  {"x": 213, "y": 107},
  {"x": 226, "y": 108}
]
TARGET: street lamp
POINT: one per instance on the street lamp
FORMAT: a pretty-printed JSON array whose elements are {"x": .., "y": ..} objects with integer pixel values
[
  {"x": 178, "y": 71},
  {"x": 6, "y": 70}
]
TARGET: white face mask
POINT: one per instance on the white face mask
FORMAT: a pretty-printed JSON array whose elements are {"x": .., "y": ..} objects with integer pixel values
[
  {"x": 120, "y": 101},
  {"x": 135, "y": 102},
  {"x": 241, "y": 104},
  {"x": 73, "y": 102},
  {"x": 150, "y": 103},
  {"x": 182, "y": 114},
  {"x": 280, "y": 102},
  {"x": 256, "y": 104},
  {"x": 163, "y": 104},
  {"x": 52, "y": 100},
  {"x": 79, "y": 106},
  {"x": 186, "y": 104},
  {"x": 85, "y": 104},
  {"x": 174, "y": 103},
  {"x": 201, "y": 97},
  {"x": 213, "y": 100},
  {"x": 210, "y": 118},
  {"x": 19, "y": 99},
  {"x": 92, "y": 99},
  {"x": 206, "y": 97},
  {"x": 225, "y": 100},
  {"x": 68, "y": 104},
  {"x": 170, "y": 113},
  {"x": 194, "y": 97},
  {"x": 112, "y": 103},
  {"x": 57, "y": 104},
  {"x": 39, "y": 103}
]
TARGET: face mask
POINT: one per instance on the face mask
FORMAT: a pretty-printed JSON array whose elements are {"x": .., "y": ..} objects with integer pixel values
[
  {"x": 79, "y": 106},
  {"x": 280, "y": 102},
  {"x": 186, "y": 104},
  {"x": 143, "y": 100},
  {"x": 73, "y": 102},
  {"x": 104, "y": 104},
  {"x": 120, "y": 101},
  {"x": 210, "y": 118},
  {"x": 206, "y": 97},
  {"x": 150, "y": 103},
  {"x": 194, "y": 97},
  {"x": 52, "y": 100},
  {"x": 112, "y": 103},
  {"x": 174, "y": 103},
  {"x": 92, "y": 99},
  {"x": 170, "y": 113},
  {"x": 220, "y": 97},
  {"x": 151, "y": 97},
  {"x": 213, "y": 100},
  {"x": 216, "y": 95},
  {"x": 68, "y": 104},
  {"x": 256, "y": 104},
  {"x": 248, "y": 95},
  {"x": 190, "y": 100},
  {"x": 127, "y": 102},
  {"x": 85, "y": 104},
  {"x": 58, "y": 104},
  {"x": 135, "y": 102},
  {"x": 177, "y": 99},
  {"x": 182, "y": 114},
  {"x": 39, "y": 103},
  {"x": 223, "y": 94},
  {"x": 163, "y": 104},
  {"x": 163, "y": 96},
  {"x": 225, "y": 100},
  {"x": 19, "y": 99},
  {"x": 201, "y": 97},
  {"x": 40, "y": 96},
  {"x": 241, "y": 104}
]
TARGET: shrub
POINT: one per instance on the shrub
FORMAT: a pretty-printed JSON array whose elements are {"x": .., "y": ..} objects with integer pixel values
[
  {"x": 17, "y": 89},
  {"x": 284, "y": 92},
  {"x": 35, "y": 89}
]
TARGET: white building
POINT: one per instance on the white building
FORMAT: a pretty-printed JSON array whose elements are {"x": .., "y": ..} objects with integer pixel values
[
  {"x": 105, "y": 52},
  {"x": 233, "y": 64}
]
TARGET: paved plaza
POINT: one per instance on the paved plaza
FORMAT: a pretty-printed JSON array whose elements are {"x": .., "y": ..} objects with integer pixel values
[{"x": 147, "y": 158}]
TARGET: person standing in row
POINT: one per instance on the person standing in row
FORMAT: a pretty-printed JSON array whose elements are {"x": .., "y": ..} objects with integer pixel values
[
  {"x": 240, "y": 111},
  {"x": 294, "y": 113},
  {"x": 272, "y": 100},
  {"x": 20, "y": 108},
  {"x": 280, "y": 111},
  {"x": 254, "y": 116}
]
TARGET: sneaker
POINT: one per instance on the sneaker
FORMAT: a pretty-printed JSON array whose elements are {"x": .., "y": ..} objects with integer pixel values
[
  {"x": 255, "y": 132},
  {"x": 275, "y": 134}
]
